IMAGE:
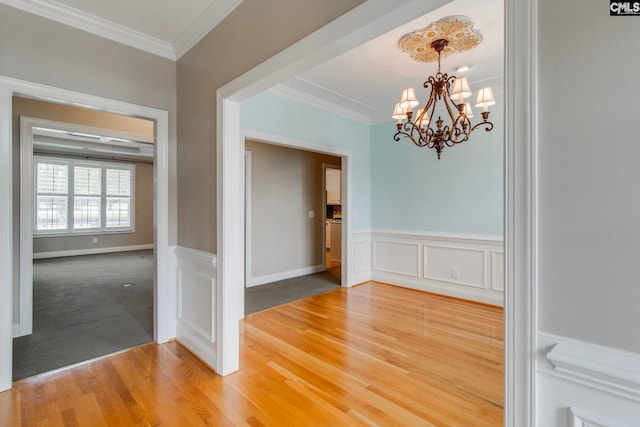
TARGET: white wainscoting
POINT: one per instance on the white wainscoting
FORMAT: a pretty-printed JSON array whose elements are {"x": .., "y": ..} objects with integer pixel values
[
  {"x": 196, "y": 327},
  {"x": 360, "y": 265},
  {"x": 585, "y": 384},
  {"x": 458, "y": 265}
]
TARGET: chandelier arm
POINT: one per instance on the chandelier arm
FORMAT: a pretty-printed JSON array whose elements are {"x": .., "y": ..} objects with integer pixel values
[
  {"x": 410, "y": 128},
  {"x": 448, "y": 137},
  {"x": 488, "y": 126},
  {"x": 420, "y": 142},
  {"x": 462, "y": 126}
]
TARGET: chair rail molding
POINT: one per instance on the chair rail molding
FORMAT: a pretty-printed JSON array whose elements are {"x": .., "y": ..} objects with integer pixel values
[
  {"x": 573, "y": 375},
  {"x": 604, "y": 368}
]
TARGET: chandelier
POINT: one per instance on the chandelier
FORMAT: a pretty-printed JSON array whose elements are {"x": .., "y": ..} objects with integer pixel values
[{"x": 447, "y": 93}]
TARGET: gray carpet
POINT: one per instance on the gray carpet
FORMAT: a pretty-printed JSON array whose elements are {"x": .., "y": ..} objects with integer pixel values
[
  {"x": 257, "y": 298},
  {"x": 82, "y": 310}
]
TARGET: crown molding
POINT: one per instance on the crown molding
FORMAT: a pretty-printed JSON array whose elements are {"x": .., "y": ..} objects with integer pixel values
[
  {"x": 207, "y": 21},
  {"x": 92, "y": 24},
  {"x": 308, "y": 93}
]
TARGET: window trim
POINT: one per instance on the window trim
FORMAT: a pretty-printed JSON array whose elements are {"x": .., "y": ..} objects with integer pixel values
[{"x": 71, "y": 163}]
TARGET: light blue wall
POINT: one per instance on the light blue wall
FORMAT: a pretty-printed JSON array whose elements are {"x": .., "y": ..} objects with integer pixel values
[
  {"x": 396, "y": 185},
  {"x": 281, "y": 116},
  {"x": 460, "y": 193}
]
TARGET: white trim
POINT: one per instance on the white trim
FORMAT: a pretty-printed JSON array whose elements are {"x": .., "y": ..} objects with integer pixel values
[
  {"x": 520, "y": 214},
  {"x": 495, "y": 286},
  {"x": 604, "y": 368},
  {"x": 345, "y": 167},
  {"x": 200, "y": 269},
  {"x": 377, "y": 242},
  {"x": 390, "y": 269},
  {"x": 372, "y": 18},
  {"x": 73, "y": 127},
  {"x": 461, "y": 238},
  {"x": 76, "y": 18},
  {"x": 25, "y": 324},
  {"x": 366, "y": 21},
  {"x": 270, "y": 278},
  {"x": 67, "y": 15},
  {"x": 229, "y": 307},
  {"x": 337, "y": 106},
  {"x": 581, "y": 418},
  {"x": 165, "y": 298},
  {"x": 452, "y": 280},
  {"x": 91, "y": 251},
  {"x": 206, "y": 21},
  {"x": 199, "y": 259},
  {"x": 248, "y": 218},
  {"x": 6, "y": 238}
]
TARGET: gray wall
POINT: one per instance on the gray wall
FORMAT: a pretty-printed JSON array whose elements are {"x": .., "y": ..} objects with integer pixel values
[
  {"x": 286, "y": 184},
  {"x": 42, "y": 51},
  {"x": 252, "y": 33},
  {"x": 589, "y": 174}
]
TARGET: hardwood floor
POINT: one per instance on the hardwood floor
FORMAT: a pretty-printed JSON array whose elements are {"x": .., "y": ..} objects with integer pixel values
[{"x": 371, "y": 355}]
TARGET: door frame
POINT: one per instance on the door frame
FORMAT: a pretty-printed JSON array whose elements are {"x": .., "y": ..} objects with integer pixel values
[
  {"x": 27, "y": 189},
  {"x": 165, "y": 312},
  {"x": 345, "y": 183},
  {"x": 520, "y": 176},
  {"x": 326, "y": 166}
]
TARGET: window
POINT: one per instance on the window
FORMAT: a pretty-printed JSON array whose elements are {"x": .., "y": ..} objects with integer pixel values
[{"x": 74, "y": 196}]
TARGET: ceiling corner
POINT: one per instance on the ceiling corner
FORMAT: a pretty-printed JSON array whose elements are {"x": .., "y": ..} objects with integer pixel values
[{"x": 207, "y": 21}]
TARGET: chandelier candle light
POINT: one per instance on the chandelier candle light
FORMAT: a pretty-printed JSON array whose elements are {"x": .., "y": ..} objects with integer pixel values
[{"x": 448, "y": 35}]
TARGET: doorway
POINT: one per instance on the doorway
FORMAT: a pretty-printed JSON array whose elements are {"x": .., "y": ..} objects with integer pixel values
[
  {"x": 285, "y": 223},
  {"x": 332, "y": 209},
  {"x": 519, "y": 179},
  {"x": 164, "y": 298},
  {"x": 86, "y": 191}
]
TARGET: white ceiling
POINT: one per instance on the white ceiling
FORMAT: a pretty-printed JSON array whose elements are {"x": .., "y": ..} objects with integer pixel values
[
  {"x": 362, "y": 84},
  {"x": 366, "y": 82}
]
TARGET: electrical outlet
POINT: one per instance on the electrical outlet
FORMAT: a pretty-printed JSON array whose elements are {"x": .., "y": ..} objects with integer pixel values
[
  {"x": 454, "y": 273},
  {"x": 312, "y": 214},
  {"x": 95, "y": 240}
]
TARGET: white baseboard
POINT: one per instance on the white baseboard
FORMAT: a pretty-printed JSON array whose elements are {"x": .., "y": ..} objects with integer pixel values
[
  {"x": 91, "y": 251},
  {"x": 270, "y": 278},
  {"x": 589, "y": 384},
  {"x": 439, "y": 288},
  {"x": 197, "y": 344}
]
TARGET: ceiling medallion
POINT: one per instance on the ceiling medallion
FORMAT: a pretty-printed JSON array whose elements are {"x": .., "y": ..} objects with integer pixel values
[{"x": 457, "y": 30}]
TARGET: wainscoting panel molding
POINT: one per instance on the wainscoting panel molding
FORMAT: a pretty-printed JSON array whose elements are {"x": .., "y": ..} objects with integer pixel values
[
  {"x": 361, "y": 264},
  {"x": 196, "y": 302},
  {"x": 497, "y": 271},
  {"x": 578, "y": 374},
  {"x": 396, "y": 257},
  {"x": 458, "y": 265}
]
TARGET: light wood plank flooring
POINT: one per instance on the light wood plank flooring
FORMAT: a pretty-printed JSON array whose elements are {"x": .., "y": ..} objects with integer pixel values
[{"x": 371, "y": 355}]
